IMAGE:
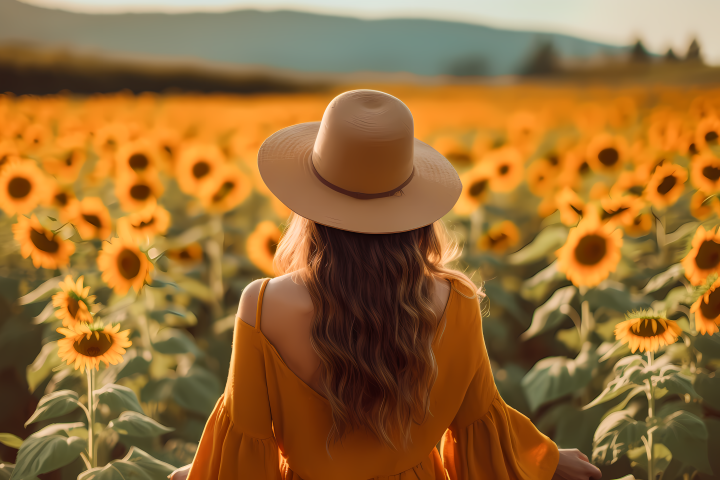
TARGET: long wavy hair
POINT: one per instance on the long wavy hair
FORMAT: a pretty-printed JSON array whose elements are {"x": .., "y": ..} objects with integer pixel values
[{"x": 374, "y": 325}]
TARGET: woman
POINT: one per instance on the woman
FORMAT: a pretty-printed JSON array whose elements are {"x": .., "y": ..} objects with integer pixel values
[{"x": 367, "y": 351}]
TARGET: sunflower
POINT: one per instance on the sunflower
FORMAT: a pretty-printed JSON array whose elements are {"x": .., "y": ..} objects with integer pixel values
[
  {"x": 452, "y": 148},
  {"x": 620, "y": 210},
  {"x": 500, "y": 237},
  {"x": 139, "y": 157},
  {"x": 46, "y": 249},
  {"x": 136, "y": 192},
  {"x": 66, "y": 165},
  {"x": 108, "y": 138},
  {"x": 707, "y": 132},
  {"x": 704, "y": 256},
  {"x": 701, "y": 205},
  {"x": 227, "y": 188},
  {"x": 123, "y": 265},
  {"x": 506, "y": 167},
  {"x": 22, "y": 187},
  {"x": 73, "y": 303},
  {"x": 606, "y": 153},
  {"x": 630, "y": 182},
  {"x": 640, "y": 225},
  {"x": 570, "y": 205},
  {"x": 523, "y": 129},
  {"x": 591, "y": 252},
  {"x": 88, "y": 345},
  {"x": 189, "y": 254},
  {"x": 475, "y": 189},
  {"x": 63, "y": 200},
  {"x": 145, "y": 224},
  {"x": 36, "y": 136},
  {"x": 665, "y": 133},
  {"x": 666, "y": 185},
  {"x": 7, "y": 152},
  {"x": 541, "y": 177},
  {"x": 261, "y": 245},
  {"x": 91, "y": 218},
  {"x": 645, "y": 331},
  {"x": 705, "y": 172},
  {"x": 195, "y": 165},
  {"x": 707, "y": 310},
  {"x": 574, "y": 168}
]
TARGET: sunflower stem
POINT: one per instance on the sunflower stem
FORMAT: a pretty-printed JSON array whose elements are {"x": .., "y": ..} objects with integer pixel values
[
  {"x": 91, "y": 425},
  {"x": 586, "y": 322},
  {"x": 214, "y": 250},
  {"x": 651, "y": 414}
]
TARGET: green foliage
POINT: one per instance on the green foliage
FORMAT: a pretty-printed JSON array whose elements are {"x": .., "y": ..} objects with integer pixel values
[
  {"x": 136, "y": 464},
  {"x": 118, "y": 398},
  {"x": 137, "y": 425},
  {"x": 46, "y": 453},
  {"x": 55, "y": 405}
]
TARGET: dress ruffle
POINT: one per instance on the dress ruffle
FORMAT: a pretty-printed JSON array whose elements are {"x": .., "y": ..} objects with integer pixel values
[
  {"x": 226, "y": 453},
  {"x": 502, "y": 445}
]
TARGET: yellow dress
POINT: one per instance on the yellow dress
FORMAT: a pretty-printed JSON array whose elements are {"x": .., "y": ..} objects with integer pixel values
[{"x": 270, "y": 425}]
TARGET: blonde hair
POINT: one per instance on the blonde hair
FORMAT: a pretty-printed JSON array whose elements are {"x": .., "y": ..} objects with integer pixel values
[{"x": 374, "y": 325}]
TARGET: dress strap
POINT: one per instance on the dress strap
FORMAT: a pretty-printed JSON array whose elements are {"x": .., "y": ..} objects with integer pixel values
[{"x": 259, "y": 305}]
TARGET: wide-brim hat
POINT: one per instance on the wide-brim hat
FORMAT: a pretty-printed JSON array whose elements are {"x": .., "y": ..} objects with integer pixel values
[{"x": 360, "y": 169}]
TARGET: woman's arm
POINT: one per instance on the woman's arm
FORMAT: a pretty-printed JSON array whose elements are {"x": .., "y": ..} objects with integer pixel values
[{"x": 574, "y": 465}]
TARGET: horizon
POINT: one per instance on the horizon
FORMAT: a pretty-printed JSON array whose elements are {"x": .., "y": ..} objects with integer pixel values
[{"x": 659, "y": 24}]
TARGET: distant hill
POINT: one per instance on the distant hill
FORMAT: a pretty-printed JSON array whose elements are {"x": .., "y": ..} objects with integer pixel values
[{"x": 290, "y": 40}]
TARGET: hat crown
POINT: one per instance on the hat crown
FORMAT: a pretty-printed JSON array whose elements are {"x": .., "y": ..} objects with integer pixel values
[{"x": 365, "y": 142}]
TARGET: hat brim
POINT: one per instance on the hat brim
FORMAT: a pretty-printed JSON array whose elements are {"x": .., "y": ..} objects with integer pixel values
[{"x": 284, "y": 164}]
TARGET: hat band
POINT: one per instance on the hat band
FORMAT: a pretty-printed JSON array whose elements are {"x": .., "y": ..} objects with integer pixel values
[{"x": 360, "y": 195}]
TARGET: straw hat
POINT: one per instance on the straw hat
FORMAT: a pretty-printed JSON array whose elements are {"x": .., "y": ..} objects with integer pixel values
[{"x": 360, "y": 169}]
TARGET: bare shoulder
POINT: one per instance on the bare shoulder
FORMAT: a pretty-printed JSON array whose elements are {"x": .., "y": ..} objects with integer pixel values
[
  {"x": 289, "y": 291},
  {"x": 248, "y": 302}
]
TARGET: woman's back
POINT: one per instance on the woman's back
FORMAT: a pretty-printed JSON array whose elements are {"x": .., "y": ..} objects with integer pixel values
[{"x": 287, "y": 316}]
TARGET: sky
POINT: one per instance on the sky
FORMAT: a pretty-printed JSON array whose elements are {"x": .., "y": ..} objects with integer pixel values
[{"x": 659, "y": 23}]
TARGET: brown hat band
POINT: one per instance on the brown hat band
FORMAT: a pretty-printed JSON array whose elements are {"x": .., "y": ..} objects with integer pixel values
[{"x": 360, "y": 195}]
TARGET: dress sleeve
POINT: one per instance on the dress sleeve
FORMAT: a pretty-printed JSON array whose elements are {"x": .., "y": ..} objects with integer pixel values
[
  {"x": 238, "y": 440},
  {"x": 489, "y": 440}
]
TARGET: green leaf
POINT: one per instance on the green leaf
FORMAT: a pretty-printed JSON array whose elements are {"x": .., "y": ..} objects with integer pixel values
[
  {"x": 708, "y": 386},
  {"x": 10, "y": 440},
  {"x": 661, "y": 456},
  {"x": 614, "y": 299},
  {"x": 672, "y": 274},
  {"x": 118, "y": 398},
  {"x": 140, "y": 363},
  {"x": 54, "y": 405},
  {"x": 45, "y": 454},
  {"x": 548, "y": 316},
  {"x": 137, "y": 425},
  {"x": 197, "y": 392},
  {"x": 6, "y": 470},
  {"x": 58, "y": 428},
  {"x": 613, "y": 390},
  {"x": 616, "y": 434},
  {"x": 136, "y": 465},
  {"x": 555, "y": 377},
  {"x": 41, "y": 292},
  {"x": 543, "y": 245},
  {"x": 175, "y": 341},
  {"x": 708, "y": 345},
  {"x": 507, "y": 300},
  {"x": 686, "y": 436},
  {"x": 157, "y": 390},
  {"x": 43, "y": 365},
  {"x": 671, "y": 379}
]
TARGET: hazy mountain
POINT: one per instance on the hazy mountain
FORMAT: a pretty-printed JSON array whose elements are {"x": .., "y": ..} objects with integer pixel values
[{"x": 292, "y": 40}]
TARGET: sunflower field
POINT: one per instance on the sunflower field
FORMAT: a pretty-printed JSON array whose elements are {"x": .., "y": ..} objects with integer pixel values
[{"x": 130, "y": 224}]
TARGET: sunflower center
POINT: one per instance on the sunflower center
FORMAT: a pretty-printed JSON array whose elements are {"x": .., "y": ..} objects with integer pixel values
[
  {"x": 477, "y": 188},
  {"x": 711, "y": 137},
  {"x": 711, "y": 309},
  {"x": 73, "y": 306},
  {"x": 590, "y": 249},
  {"x": 708, "y": 255},
  {"x": 19, "y": 187},
  {"x": 667, "y": 184},
  {"x": 636, "y": 190},
  {"x": 584, "y": 168},
  {"x": 3, "y": 159},
  {"x": 504, "y": 169},
  {"x": 223, "y": 191},
  {"x": 93, "y": 220},
  {"x": 554, "y": 160},
  {"x": 200, "y": 169},
  {"x": 645, "y": 328},
  {"x": 42, "y": 243},
  {"x": 140, "y": 192},
  {"x": 692, "y": 149},
  {"x": 184, "y": 254},
  {"x": 271, "y": 246},
  {"x": 497, "y": 239},
  {"x": 69, "y": 159},
  {"x": 128, "y": 264},
  {"x": 138, "y": 161},
  {"x": 168, "y": 149},
  {"x": 712, "y": 173},
  {"x": 61, "y": 198},
  {"x": 608, "y": 156},
  {"x": 93, "y": 347}
]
